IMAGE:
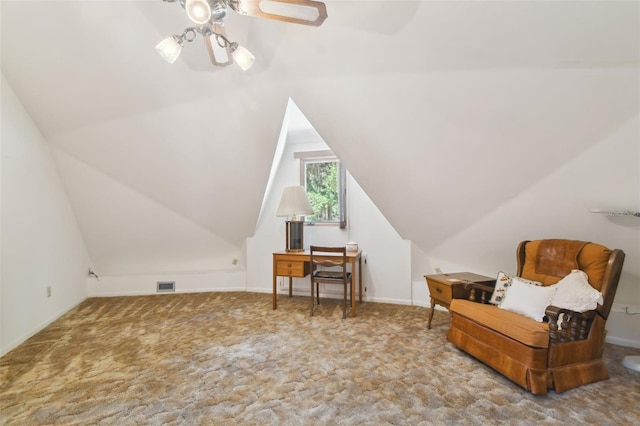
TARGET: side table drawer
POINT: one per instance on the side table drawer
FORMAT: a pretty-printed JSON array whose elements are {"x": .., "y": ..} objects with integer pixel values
[
  {"x": 440, "y": 291},
  {"x": 291, "y": 269},
  {"x": 445, "y": 287}
]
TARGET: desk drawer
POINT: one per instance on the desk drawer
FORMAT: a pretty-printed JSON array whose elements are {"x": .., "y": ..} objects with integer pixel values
[{"x": 291, "y": 269}]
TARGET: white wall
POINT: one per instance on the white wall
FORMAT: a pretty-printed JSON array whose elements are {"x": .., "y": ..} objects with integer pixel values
[
  {"x": 129, "y": 232},
  {"x": 386, "y": 273},
  {"x": 41, "y": 243}
]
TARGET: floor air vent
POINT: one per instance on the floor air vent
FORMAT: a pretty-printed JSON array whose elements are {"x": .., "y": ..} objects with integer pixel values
[{"x": 166, "y": 286}]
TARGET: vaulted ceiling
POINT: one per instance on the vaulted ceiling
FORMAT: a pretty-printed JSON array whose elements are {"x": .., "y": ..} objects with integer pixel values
[{"x": 407, "y": 93}]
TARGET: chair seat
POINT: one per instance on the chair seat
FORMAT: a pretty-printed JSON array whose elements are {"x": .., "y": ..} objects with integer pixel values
[
  {"x": 518, "y": 327},
  {"x": 331, "y": 275}
]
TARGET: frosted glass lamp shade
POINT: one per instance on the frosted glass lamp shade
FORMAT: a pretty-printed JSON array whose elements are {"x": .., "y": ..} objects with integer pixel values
[
  {"x": 294, "y": 202},
  {"x": 243, "y": 58},
  {"x": 169, "y": 49}
]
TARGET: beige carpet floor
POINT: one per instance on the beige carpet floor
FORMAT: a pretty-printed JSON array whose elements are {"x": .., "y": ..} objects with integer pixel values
[{"x": 228, "y": 358}]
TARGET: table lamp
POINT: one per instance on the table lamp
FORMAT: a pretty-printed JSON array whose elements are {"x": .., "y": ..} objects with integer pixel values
[{"x": 294, "y": 202}]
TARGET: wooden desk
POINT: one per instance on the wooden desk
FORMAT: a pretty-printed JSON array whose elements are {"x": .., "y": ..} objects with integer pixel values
[
  {"x": 445, "y": 287},
  {"x": 297, "y": 264}
]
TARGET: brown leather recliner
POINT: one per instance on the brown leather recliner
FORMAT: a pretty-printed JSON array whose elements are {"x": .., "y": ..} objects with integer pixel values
[{"x": 561, "y": 354}]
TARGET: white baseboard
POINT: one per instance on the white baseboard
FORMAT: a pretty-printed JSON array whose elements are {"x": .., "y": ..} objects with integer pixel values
[
  {"x": 622, "y": 342},
  {"x": 182, "y": 291},
  {"x": 260, "y": 290},
  {"x": 424, "y": 304}
]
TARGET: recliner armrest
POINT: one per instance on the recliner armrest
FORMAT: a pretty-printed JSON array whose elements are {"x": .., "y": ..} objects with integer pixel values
[{"x": 566, "y": 325}]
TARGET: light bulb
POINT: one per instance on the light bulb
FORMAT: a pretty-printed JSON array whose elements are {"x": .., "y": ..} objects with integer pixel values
[
  {"x": 199, "y": 11},
  {"x": 169, "y": 49}
]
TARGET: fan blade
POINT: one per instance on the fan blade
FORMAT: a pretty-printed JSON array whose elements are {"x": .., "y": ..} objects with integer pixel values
[
  {"x": 220, "y": 56},
  {"x": 305, "y": 12}
]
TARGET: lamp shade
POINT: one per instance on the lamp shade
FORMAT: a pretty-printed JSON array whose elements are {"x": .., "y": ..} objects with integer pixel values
[
  {"x": 169, "y": 49},
  {"x": 243, "y": 57},
  {"x": 294, "y": 201}
]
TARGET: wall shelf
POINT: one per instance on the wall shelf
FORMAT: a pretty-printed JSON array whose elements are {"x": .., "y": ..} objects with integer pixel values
[{"x": 607, "y": 212}]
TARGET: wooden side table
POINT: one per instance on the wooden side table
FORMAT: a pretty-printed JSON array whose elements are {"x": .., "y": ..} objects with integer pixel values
[{"x": 445, "y": 287}]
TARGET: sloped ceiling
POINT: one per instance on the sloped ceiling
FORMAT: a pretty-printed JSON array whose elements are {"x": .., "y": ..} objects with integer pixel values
[{"x": 407, "y": 93}]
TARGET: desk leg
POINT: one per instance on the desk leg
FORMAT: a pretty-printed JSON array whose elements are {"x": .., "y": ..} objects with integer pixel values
[
  {"x": 353, "y": 289},
  {"x": 433, "y": 305},
  {"x": 290, "y": 286},
  {"x": 360, "y": 276},
  {"x": 275, "y": 277}
]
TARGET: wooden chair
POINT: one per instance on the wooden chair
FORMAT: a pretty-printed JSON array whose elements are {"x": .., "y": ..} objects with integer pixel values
[
  {"x": 561, "y": 354},
  {"x": 329, "y": 257}
]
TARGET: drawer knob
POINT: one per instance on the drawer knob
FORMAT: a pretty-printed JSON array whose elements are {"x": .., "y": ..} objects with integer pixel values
[{"x": 438, "y": 290}]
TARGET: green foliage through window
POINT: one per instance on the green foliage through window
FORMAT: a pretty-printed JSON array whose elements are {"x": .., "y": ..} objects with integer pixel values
[{"x": 324, "y": 182}]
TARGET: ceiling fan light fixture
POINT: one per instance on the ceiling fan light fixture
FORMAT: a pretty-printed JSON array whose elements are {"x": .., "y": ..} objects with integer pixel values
[
  {"x": 208, "y": 17},
  {"x": 219, "y": 11},
  {"x": 199, "y": 11},
  {"x": 169, "y": 49},
  {"x": 241, "y": 56}
]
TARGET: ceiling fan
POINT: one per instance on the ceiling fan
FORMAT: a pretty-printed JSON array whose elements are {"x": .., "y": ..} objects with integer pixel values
[{"x": 208, "y": 17}]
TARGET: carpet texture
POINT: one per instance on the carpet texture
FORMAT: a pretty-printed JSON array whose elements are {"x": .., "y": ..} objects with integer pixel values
[{"x": 228, "y": 358}]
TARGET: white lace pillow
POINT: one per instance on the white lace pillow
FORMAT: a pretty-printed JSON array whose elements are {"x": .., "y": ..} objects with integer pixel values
[
  {"x": 503, "y": 282},
  {"x": 575, "y": 293},
  {"x": 528, "y": 299}
]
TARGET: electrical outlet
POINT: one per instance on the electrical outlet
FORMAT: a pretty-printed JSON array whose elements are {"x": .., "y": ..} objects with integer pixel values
[
  {"x": 49, "y": 291},
  {"x": 438, "y": 270}
]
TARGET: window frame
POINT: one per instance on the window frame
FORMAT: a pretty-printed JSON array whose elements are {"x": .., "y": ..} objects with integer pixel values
[{"x": 312, "y": 157}]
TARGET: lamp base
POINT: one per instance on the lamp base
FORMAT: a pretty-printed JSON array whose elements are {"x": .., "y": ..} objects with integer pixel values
[{"x": 295, "y": 235}]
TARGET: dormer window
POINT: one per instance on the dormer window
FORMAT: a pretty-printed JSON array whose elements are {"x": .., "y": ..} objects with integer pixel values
[{"x": 324, "y": 179}]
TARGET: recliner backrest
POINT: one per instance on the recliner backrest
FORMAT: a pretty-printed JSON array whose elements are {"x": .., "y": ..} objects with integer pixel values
[{"x": 548, "y": 261}]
